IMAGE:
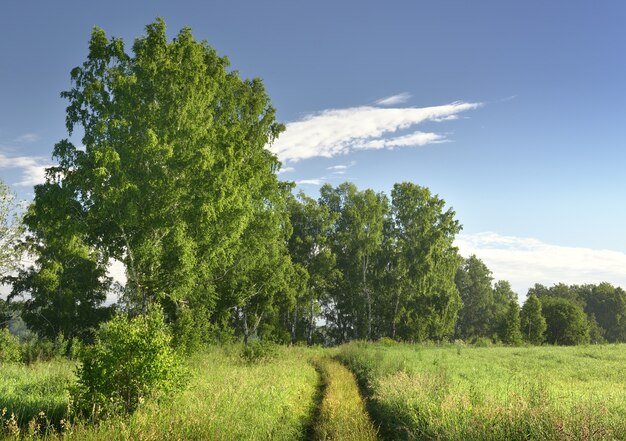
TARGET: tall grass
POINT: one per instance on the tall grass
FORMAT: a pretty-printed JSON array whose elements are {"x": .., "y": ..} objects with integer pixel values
[
  {"x": 28, "y": 390},
  {"x": 466, "y": 393},
  {"x": 226, "y": 399}
]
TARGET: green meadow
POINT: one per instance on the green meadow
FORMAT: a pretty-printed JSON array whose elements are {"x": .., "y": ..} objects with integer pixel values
[
  {"x": 493, "y": 393},
  {"x": 407, "y": 392}
]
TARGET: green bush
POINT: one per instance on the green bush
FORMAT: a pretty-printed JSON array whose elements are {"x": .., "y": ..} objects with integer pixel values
[
  {"x": 190, "y": 330},
  {"x": 35, "y": 349},
  {"x": 9, "y": 347},
  {"x": 132, "y": 360},
  {"x": 257, "y": 351}
]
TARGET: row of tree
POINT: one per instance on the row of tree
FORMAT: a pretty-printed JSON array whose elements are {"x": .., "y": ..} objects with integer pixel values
[
  {"x": 175, "y": 181},
  {"x": 561, "y": 314}
]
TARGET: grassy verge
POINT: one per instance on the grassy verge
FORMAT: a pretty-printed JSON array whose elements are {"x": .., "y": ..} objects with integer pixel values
[
  {"x": 464, "y": 393},
  {"x": 226, "y": 399},
  {"x": 342, "y": 414},
  {"x": 34, "y": 392}
]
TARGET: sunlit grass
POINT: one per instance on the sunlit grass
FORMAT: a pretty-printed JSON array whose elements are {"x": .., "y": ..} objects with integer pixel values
[
  {"x": 226, "y": 399},
  {"x": 27, "y": 390},
  {"x": 342, "y": 415},
  {"x": 466, "y": 393}
]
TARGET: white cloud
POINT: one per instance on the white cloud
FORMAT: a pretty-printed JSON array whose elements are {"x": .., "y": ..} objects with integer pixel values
[
  {"x": 316, "y": 181},
  {"x": 33, "y": 168},
  {"x": 339, "y": 131},
  {"x": 394, "y": 99},
  {"x": 415, "y": 138},
  {"x": 27, "y": 138},
  {"x": 286, "y": 170},
  {"x": 526, "y": 261},
  {"x": 340, "y": 169}
]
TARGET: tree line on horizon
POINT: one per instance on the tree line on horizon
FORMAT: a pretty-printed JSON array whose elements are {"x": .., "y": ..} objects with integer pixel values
[{"x": 175, "y": 181}]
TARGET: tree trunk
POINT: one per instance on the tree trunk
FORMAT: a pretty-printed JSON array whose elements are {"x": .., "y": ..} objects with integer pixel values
[
  {"x": 246, "y": 331},
  {"x": 310, "y": 330},
  {"x": 395, "y": 315},
  {"x": 368, "y": 296},
  {"x": 293, "y": 324}
]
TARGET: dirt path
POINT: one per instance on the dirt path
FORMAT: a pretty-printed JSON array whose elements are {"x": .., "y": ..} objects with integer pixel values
[{"x": 341, "y": 415}]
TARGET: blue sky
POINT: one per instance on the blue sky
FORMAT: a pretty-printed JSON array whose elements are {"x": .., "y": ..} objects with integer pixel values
[{"x": 513, "y": 112}]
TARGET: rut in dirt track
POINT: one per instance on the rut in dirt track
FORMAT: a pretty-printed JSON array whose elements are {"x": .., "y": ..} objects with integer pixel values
[{"x": 341, "y": 414}]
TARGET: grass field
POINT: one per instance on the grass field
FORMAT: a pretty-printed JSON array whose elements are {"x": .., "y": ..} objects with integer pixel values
[
  {"x": 495, "y": 393},
  {"x": 451, "y": 392},
  {"x": 226, "y": 399}
]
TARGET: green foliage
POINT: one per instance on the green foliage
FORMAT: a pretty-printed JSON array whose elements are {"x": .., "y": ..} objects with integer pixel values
[
  {"x": 532, "y": 322},
  {"x": 566, "y": 321},
  {"x": 607, "y": 305},
  {"x": 423, "y": 300},
  {"x": 66, "y": 287},
  {"x": 596, "y": 332},
  {"x": 190, "y": 330},
  {"x": 9, "y": 347},
  {"x": 511, "y": 333},
  {"x": 604, "y": 304},
  {"x": 258, "y": 351},
  {"x": 131, "y": 361},
  {"x": 11, "y": 229},
  {"x": 34, "y": 349},
  {"x": 354, "y": 239},
  {"x": 315, "y": 272},
  {"x": 476, "y": 317},
  {"x": 175, "y": 166}
]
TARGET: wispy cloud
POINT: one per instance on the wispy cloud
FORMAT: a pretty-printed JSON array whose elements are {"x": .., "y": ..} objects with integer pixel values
[
  {"x": 340, "y": 169},
  {"x": 412, "y": 139},
  {"x": 33, "y": 168},
  {"x": 526, "y": 261},
  {"x": 394, "y": 99},
  {"x": 286, "y": 170},
  {"x": 27, "y": 138},
  {"x": 339, "y": 131},
  {"x": 315, "y": 181}
]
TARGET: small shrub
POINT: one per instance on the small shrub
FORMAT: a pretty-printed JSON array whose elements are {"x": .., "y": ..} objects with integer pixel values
[
  {"x": 9, "y": 347},
  {"x": 482, "y": 342},
  {"x": 386, "y": 341},
  {"x": 257, "y": 351},
  {"x": 35, "y": 349},
  {"x": 130, "y": 361},
  {"x": 190, "y": 330}
]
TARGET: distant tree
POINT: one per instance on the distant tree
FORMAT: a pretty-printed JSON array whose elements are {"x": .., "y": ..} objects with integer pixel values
[
  {"x": 503, "y": 294},
  {"x": 11, "y": 229},
  {"x": 425, "y": 300},
  {"x": 309, "y": 248},
  {"x": 596, "y": 332},
  {"x": 566, "y": 321},
  {"x": 476, "y": 317},
  {"x": 607, "y": 305},
  {"x": 5, "y": 314},
  {"x": 263, "y": 266},
  {"x": 511, "y": 333},
  {"x": 533, "y": 324},
  {"x": 354, "y": 239},
  {"x": 66, "y": 287},
  {"x": 559, "y": 290}
]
